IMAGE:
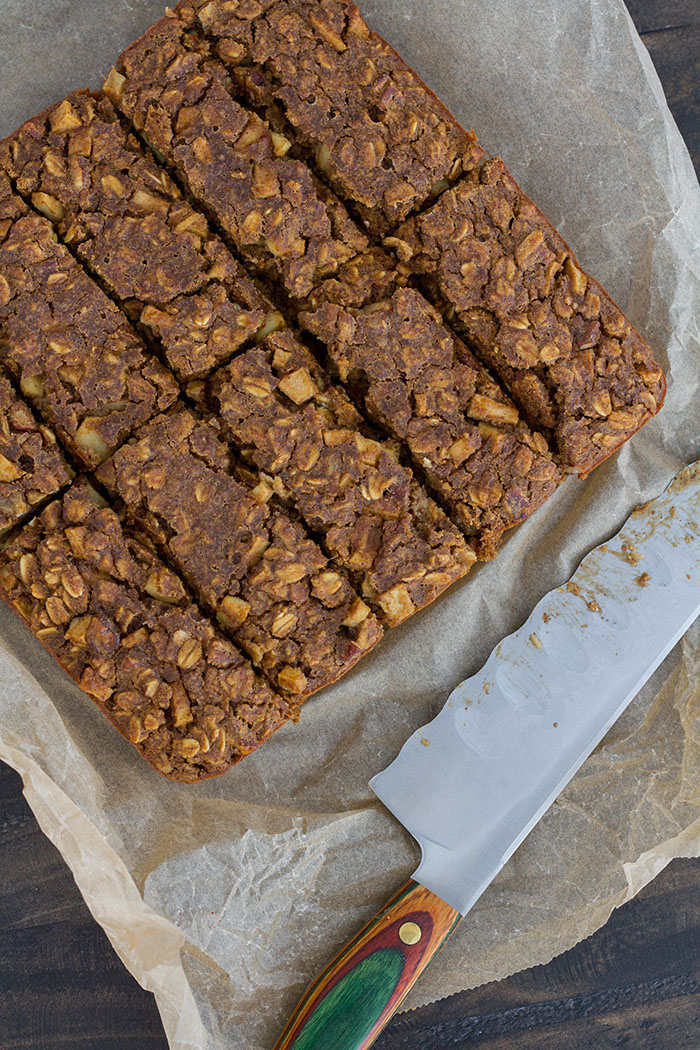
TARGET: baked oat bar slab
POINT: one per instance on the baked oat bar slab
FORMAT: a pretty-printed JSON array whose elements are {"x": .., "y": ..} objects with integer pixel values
[
  {"x": 71, "y": 351},
  {"x": 121, "y": 624},
  {"x": 300, "y": 430},
  {"x": 566, "y": 352},
  {"x": 271, "y": 586},
  {"x": 122, "y": 215},
  {"x": 364, "y": 118}
]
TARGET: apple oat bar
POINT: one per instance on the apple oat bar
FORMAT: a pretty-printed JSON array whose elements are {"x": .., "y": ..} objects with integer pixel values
[
  {"x": 418, "y": 381},
  {"x": 271, "y": 586},
  {"x": 72, "y": 352},
  {"x": 259, "y": 111},
  {"x": 127, "y": 221},
  {"x": 509, "y": 282},
  {"x": 121, "y": 624},
  {"x": 32, "y": 467},
  {"x": 285, "y": 223},
  {"x": 361, "y": 115},
  {"x": 302, "y": 433}
]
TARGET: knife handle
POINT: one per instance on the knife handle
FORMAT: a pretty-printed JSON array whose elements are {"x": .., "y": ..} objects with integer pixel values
[{"x": 350, "y": 1002}]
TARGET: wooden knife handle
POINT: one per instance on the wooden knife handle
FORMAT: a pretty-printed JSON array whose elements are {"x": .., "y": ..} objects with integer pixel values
[{"x": 348, "y": 1004}]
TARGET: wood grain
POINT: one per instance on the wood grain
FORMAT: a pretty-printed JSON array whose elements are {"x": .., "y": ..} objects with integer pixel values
[
  {"x": 61, "y": 984},
  {"x": 671, "y": 31},
  {"x": 634, "y": 985}
]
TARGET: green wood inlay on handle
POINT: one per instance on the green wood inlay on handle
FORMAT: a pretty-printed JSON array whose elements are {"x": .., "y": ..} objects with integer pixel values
[{"x": 344, "y": 1018}]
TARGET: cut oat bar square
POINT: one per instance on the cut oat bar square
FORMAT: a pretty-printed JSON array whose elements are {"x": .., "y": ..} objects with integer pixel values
[
  {"x": 71, "y": 351},
  {"x": 284, "y": 222},
  {"x": 271, "y": 586},
  {"x": 464, "y": 435},
  {"x": 127, "y": 221},
  {"x": 565, "y": 351},
  {"x": 308, "y": 441},
  {"x": 361, "y": 115},
  {"x": 121, "y": 624}
]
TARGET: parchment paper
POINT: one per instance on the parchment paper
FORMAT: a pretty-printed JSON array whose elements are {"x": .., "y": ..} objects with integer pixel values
[{"x": 226, "y": 898}]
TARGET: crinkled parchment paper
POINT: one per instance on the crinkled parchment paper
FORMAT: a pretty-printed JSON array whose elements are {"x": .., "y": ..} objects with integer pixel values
[{"x": 226, "y": 898}]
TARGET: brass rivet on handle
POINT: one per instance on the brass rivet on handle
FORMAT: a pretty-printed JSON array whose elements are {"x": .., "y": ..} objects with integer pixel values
[{"x": 410, "y": 933}]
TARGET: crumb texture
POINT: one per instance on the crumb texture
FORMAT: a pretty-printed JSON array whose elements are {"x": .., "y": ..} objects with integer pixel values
[
  {"x": 72, "y": 352},
  {"x": 270, "y": 585},
  {"x": 285, "y": 222},
  {"x": 363, "y": 117},
  {"x": 301, "y": 431},
  {"x": 121, "y": 624},
  {"x": 123, "y": 216},
  {"x": 421, "y": 383},
  {"x": 564, "y": 349},
  {"x": 32, "y": 467}
]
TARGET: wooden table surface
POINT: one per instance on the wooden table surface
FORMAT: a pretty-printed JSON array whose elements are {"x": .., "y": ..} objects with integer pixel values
[{"x": 635, "y": 984}]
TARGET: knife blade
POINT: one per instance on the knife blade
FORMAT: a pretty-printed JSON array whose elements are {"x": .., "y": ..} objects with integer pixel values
[{"x": 470, "y": 785}]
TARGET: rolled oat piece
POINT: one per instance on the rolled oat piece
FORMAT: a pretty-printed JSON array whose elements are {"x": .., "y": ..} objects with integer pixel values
[
  {"x": 509, "y": 282},
  {"x": 72, "y": 352},
  {"x": 32, "y": 468},
  {"x": 121, "y": 624},
  {"x": 122, "y": 215},
  {"x": 419, "y": 382},
  {"x": 285, "y": 223},
  {"x": 299, "y": 429},
  {"x": 364, "y": 279},
  {"x": 364, "y": 118},
  {"x": 271, "y": 586}
]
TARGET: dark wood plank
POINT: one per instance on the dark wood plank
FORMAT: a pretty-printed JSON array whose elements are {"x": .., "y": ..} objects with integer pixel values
[
  {"x": 653, "y": 16},
  {"x": 635, "y": 984},
  {"x": 671, "y": 31},
  {"x": 676, "y": 55},
  {"x": 61, "y": 984},
  {"x": 660, "y": 1018},
  {"x": 48, "y": 979}
]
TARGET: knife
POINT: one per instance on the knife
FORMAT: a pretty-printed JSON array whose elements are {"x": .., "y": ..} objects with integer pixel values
[{"x": 472, "y": 783}]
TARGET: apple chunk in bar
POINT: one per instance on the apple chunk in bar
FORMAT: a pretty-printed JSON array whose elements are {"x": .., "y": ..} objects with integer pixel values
[
  {"x": 121, "y": 624},
  {"x": 126, "y": 220},
  {"x": 511, "y": 285},
  {"x": 310, "y": 444},
  {"x": 271, "y": 586},
  {"x": 32, "y": 468},
  {"x": 361, "y": 115},
  {"x": 285, "y": 223},
  {"x": 73, "y": 354}
]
